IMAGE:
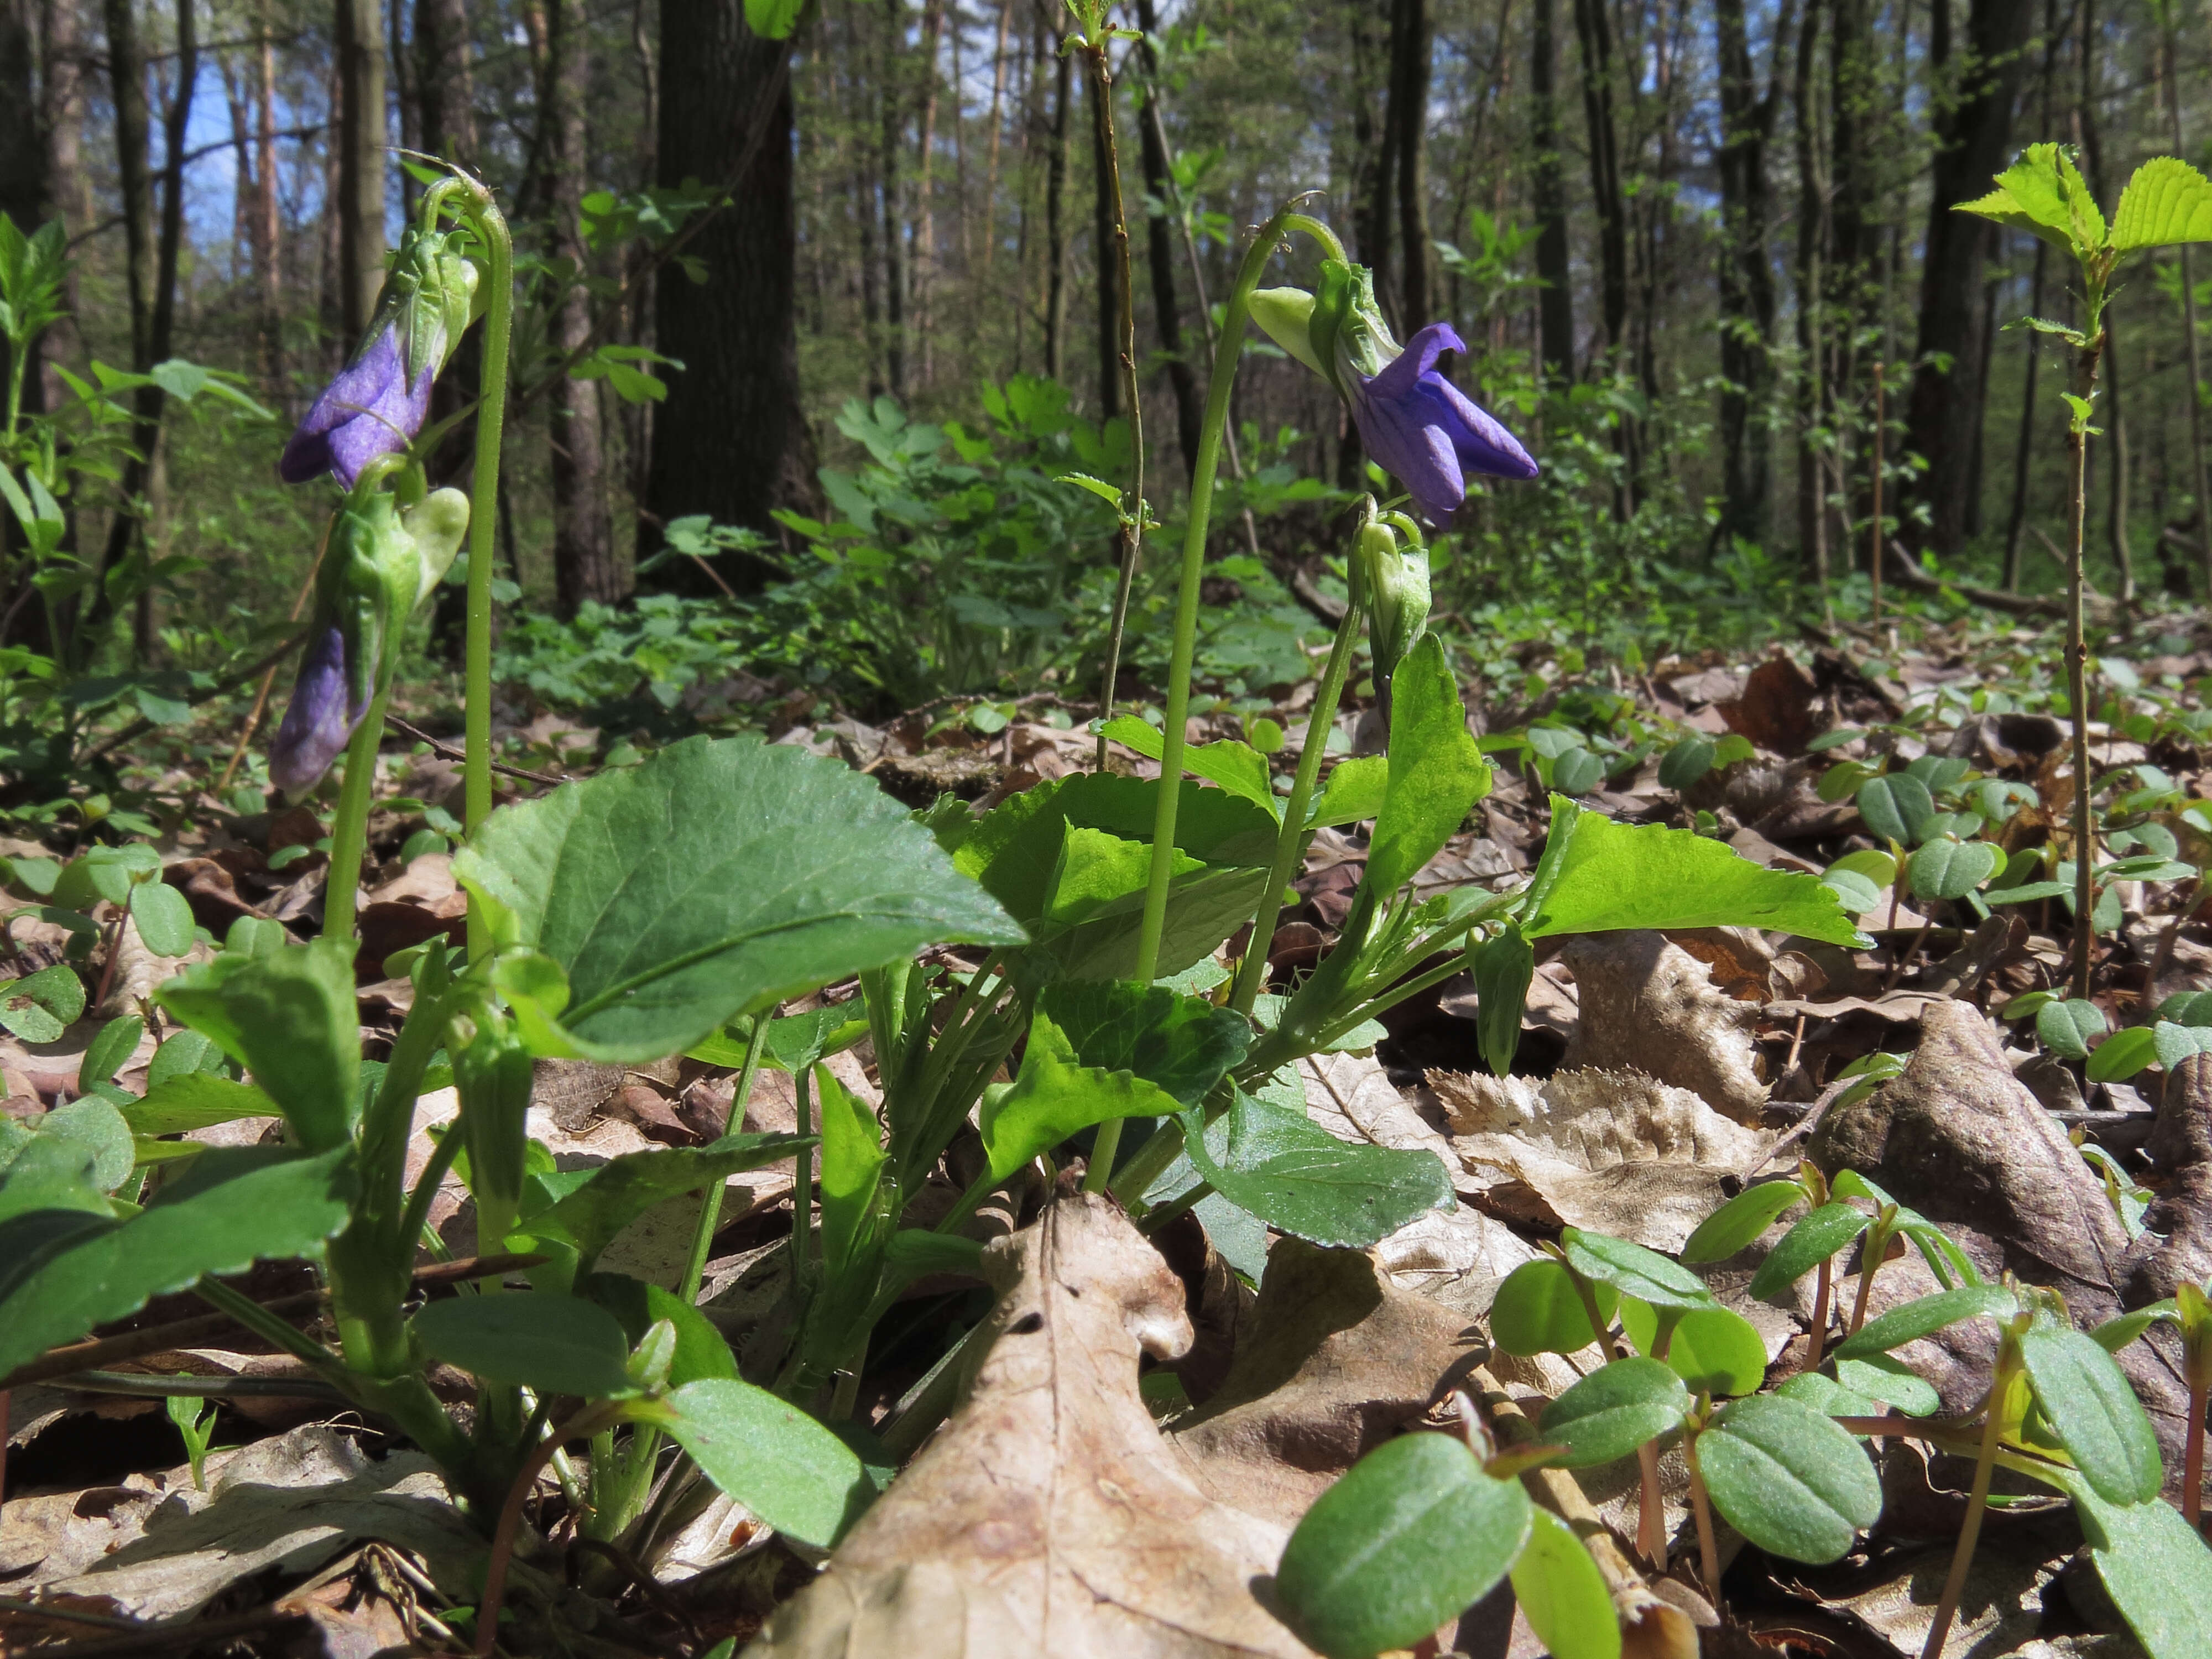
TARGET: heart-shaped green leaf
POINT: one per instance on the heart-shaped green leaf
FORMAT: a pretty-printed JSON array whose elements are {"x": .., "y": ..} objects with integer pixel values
[
  {"x": 554, "y": 1344},
  {"x": 1947, "y": 869},
  {"x": 2065, "y": 1028},
  {"x": 1301, "y": 1180},
  {"x": 713, "y": 879},
  {"x": 1788, "y": 1478},
  {"x": 1539, "y": 1311},
  {"x": 2091, "y": 1405},
  {"x": 1806, "y": 1246},
  {"x": 1412, "y": 1535},
  {"x": 38, "y": 1008},
  {"x": 1615, "y": 1409},
  {"x": 1181, "y": 1045},
  {"x": 1895, "y": 805}
]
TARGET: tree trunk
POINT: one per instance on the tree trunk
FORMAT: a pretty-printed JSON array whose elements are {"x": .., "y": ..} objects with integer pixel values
[
  {"x": 1555, "y": 305},
  {"x": 891, "y": 91},
  {"x": 23, "y": 187},
  {"x": 1411, "y": 38},
  {"x": 1376, "y": 215},
  {"x": 445, "y": 90},
  {"x": 925, "y": 203},
  {"x": 1811, "y": 285},
  {"x": 1160, "y": 250},
  {"x": 361, "y": 143},
  {"x": 1746, "y": 278},
  {"x": 1103, "y": 254},
  {"x": 1973, "y": 131},
  {"x": 584, "y": 566},
  {"x": 730, "y": 440},
  {"x": 1594, "y": 35},
  {"x": 1055, "y": 220},
  {"x": 998, "y": 123}
]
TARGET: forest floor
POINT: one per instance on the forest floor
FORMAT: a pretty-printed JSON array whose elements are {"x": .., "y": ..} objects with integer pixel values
[{"x": 1656, "y": 1075}]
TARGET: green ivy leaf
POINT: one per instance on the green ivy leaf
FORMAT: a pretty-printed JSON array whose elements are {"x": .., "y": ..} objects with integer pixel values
[
  {"x": 1805, "y": 1246},
  {"x": 1714, "y": 1350},
  {"x": 538, "y": 1339},
  {"x": 2095, "y": 1412},
  {"x": 1615, "y": 1409},
  {"x": 1596, "y": 875},
  {"x": 2167, "y": 200},
  {"x": 771, "y": 1456},
  {"x": 1414, "y": 1534},
  {"x": 1563, "y": 1595},
  {"x": 1539, "y": 1311},
  {"x": 669, "y": 916},
  {"x": 1925, "y": 1317},
  {"x": 1738, "y": 1224},
  {"x": 1634, "y": 1271},
  {"x": 1301, "y": 1180},
  {"x": 1788, "y": 1478}
]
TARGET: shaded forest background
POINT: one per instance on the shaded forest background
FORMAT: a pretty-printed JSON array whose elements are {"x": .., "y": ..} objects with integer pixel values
[{"x": 1695, "y": 250}]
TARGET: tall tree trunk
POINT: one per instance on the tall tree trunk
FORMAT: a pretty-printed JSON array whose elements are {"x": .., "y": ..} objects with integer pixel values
[
  {"x": 1555, "y": 304},
  {"x": 1973, "y": 130},
  {"x": 264, "y": 229},
  {"x": 444, "y": 89},
  {"x": 730, "y": 440},
  {"x": 1102, "y": 252},
  {"x": 925, "y": 202},
  {"x": 24, "y": 193},
  {"x": 1376, "y": 215},
  {"x": 583, "y": 524},
  {"x": 361, "y": 143},
  {"x": 1056, "y": 220},
  {"x": 2114, "y": 409},
  {"x": 1746, "y": 278},
  {"x": 1811, "y": 284},
  {"x": 2024, "y": 446},
  {"x": 2200, "y": 479},
  {"x": 891, "y": 92},
  {"x": 1594, "y": 35},
  {"x": 1411, "y": 38},
  {"x": 1159, "y": 245},
  {"x": 997, "y": 125}
]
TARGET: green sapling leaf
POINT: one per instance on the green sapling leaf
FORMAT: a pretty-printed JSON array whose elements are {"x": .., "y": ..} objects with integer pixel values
[
  {"x": 1788, "y": 1478},
  {"x": 1738, "y": 1224},
  {"x": 2093, "y": 1409},
  {"x": 538, "y": 1339},
  {"x": 1539, "y": 1311},
  {"x": 1562, "y": 1594},
  {"x": 770, "y": 1456},
  {"x": 1613, "y": 1411},
  {"x": 1805, "y": 1246}
]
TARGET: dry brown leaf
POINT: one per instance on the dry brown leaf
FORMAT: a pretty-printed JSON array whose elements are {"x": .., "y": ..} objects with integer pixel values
[
  {"x": 1649, "y": 1005},
  {"x": 1049, "y": 1515},
  {"x": 1614, "y": 1152},
  {"x": 1353, "y": 1098},
  {"x": 1338, "y": 1361}
]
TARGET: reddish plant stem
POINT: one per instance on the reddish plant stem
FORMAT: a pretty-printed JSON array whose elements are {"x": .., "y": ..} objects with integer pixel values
[
  {"x": 2192, "y": 1452},
  {"x": 1709, "y": 1550},
  {"x": 580, "y": 1426},
  {"x": 1819, "y": 1338}
]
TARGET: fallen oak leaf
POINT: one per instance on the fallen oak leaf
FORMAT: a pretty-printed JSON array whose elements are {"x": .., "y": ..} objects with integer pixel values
[{"x": 1048, "y": 1515}]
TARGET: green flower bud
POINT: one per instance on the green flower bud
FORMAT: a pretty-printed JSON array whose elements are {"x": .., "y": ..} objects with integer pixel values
[
  {"x": 1285, "y": 316},
  {"x": 1397, "y": 595},
  {"x": 427, "y": 299},
  {"x": 438, "y": 523},
  {"x": 655, "y": 1353}
]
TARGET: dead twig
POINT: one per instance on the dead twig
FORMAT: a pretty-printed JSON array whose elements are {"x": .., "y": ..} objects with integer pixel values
[{"x": 446, "y": 750}]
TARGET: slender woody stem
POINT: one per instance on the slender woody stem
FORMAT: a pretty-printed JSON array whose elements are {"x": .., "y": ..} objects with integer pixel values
[
  {"x": 484, "y": 215},
  {"x": 2077, "y": 649}
]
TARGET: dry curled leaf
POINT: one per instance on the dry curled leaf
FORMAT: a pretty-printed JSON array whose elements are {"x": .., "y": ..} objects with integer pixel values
[
  {"x": 1647, "y": 1005},
  {"x": 1614, "y": 1151},
  {"x": 1049, "y": 1515}
]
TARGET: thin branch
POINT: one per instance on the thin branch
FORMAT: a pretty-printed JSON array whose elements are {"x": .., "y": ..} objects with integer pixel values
[{"x": 446, "y": 750}]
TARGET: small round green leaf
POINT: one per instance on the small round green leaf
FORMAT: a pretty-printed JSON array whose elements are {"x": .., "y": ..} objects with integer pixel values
[
  {"x": 1685, "y": 762},
  {"x": 1615, "y": 1409},
  {"x": 1577, "y": 772},
  {"x": 1563, "y": 1595},
  {"x": 1737, "y": 1222},
  {"x": 2174, "y": 1043},
  {"x": 1414, "y": 1535},
  {"x": 557, "y": 1344},
  {"x": 38, "y": 1008},
  {"x": 1947, "y": 869},
  {"x": 1806, "y": 1246},
  {"x": 1853, "y": 891},
  {"x": 1538, "y": 1310},
  {"x": 2094, "y": 1411},
  {"x": 2066, "y": 1027},
  {"x": 1895, "y": 806},
  {"x": 111, "y": 1046},
  {"x": 2124, "y": 1054},
  {"x": 771, "y": 1456},
  {"x": 1879, "y": 1376},
  {"x": 1925, "y": 1317},
  {"x": 1788, "y": 1478},
  {"x": 1714, "y": 1350},
  {"x": 1634, "y": 1271},
  {"x": 164, "y": 918},
  {"x": 95, "y": 1126}
]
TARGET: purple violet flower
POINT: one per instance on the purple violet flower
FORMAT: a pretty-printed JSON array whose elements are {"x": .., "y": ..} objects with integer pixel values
[
  {"x": 1424, "y": 432},
  {"x": 368, "y": 411},
  {"x": 320, "y": 719}
]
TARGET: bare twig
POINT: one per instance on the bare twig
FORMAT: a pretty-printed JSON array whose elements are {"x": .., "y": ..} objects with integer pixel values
[{"x": 446, "y": 750}]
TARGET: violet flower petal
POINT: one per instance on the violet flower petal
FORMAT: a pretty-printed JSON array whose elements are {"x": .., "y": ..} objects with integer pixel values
[
  {"x": 368, "y": 410},
  {"x": 1428, "y": 435},
  {"x": 320, "y": 719}
]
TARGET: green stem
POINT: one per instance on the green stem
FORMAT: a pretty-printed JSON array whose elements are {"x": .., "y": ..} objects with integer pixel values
[
  {"x": 484, "y": 217},
  {"x": 710, "y": 1212},
  {"x": 1978, "y": 1500},
  {"x": 1208, "y": 465},
  {"x": 2077, "y": 650},
  {"x": 1290, "y": 844},
  {"x": 802, "y": 1200},
  {"x": 350, "y": 830}
]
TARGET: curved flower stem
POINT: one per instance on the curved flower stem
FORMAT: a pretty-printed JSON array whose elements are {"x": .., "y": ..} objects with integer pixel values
[
  {"x": 586, "y": 1423},
  {"x": 1202, "y": 475},
  {"x": 1709, "y": 1551},
  {"x": 349, "y": 829},
  {"x": 1290, "y": 845},
  {"x": 483, "y": 215}
]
